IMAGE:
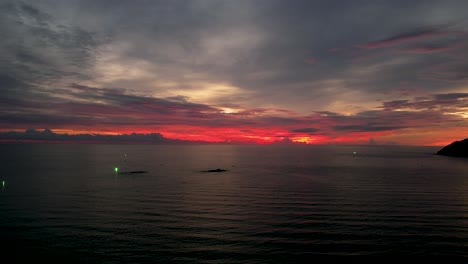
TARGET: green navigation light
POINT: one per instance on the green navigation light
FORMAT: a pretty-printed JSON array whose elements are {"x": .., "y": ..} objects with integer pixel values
[{"x": 116, "y": 169}]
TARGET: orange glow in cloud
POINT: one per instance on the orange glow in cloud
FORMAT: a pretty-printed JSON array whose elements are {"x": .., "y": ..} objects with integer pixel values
[{"x": 306, "y": 139}]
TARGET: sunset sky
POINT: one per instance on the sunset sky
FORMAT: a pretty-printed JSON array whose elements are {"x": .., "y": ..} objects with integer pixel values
[{"x": 253, "y": 71}]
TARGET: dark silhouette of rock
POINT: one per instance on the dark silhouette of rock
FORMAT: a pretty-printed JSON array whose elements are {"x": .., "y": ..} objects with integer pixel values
[
  {"x": 216, "y": 170},
  {"x": 455, "y": 149},
  {"x": 132, "y": 172}
]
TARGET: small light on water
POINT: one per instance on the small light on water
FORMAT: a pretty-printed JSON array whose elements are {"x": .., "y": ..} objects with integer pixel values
[
  {"x": 116, "y": 169},
  {"x": 354, "y": 152},
  {"x": 3, "y": 184}
]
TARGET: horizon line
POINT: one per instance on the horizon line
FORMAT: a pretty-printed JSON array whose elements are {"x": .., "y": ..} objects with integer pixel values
[{"x": 47, "y": 136}]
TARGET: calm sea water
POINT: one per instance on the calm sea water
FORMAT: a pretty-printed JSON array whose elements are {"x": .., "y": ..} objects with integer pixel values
[{"x": 274, "y": 204}]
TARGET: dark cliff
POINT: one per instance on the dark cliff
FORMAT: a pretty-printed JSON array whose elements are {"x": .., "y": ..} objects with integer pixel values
[{"x": 455, "y": 149}]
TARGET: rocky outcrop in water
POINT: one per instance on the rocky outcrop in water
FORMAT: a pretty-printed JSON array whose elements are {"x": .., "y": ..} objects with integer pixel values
[
  {"x": 132, "y": 172},
  {"x": 455, "y": 149},
  {"x": 215, "y": 170}
]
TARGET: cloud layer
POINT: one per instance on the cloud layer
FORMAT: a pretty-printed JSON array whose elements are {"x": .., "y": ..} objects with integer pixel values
[{"x": 311, "y": 71}]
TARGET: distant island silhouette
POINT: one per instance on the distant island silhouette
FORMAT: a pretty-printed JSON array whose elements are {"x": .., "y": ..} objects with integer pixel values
[
  {"x": 47, "y": 135},
  {"x": 455, "y": 149},
  {"x": 133, "y": 172}
]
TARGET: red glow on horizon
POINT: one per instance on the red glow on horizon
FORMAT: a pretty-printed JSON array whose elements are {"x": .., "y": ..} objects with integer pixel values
[
  {"x": 238, "y": 135},
  {"x": 273, "y": 135}
]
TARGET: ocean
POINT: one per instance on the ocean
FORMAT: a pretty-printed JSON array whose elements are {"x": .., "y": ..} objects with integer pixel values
[{"x": 274, "y": 204}]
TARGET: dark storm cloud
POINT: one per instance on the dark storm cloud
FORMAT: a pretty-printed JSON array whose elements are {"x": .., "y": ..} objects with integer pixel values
[
  {"x": 363, "y": 128},
  {"x": 405, "y": 37},
  {"x": 397, "y": 104},
  {"x": 41, "y": 120},
  {"x": 451, "y": 72},
  {"x": 118, "y": 102},
  {"x": 427, "y": 50},
  {"x": 449, "y": 101},
  {"x": 119, "y": 97},
  {"x": 266, "y": 46},
  {"x": 401, "y": 118},
  {"x": 37, "y": 48},
  {"x": 451, "y": 96},
  {"x": 308, "y": 130},
  {"x": 89, "y": 106}
]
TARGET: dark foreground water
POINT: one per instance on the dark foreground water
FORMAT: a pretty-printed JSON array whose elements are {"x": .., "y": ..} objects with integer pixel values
[{"x": 274, "y": 204}]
